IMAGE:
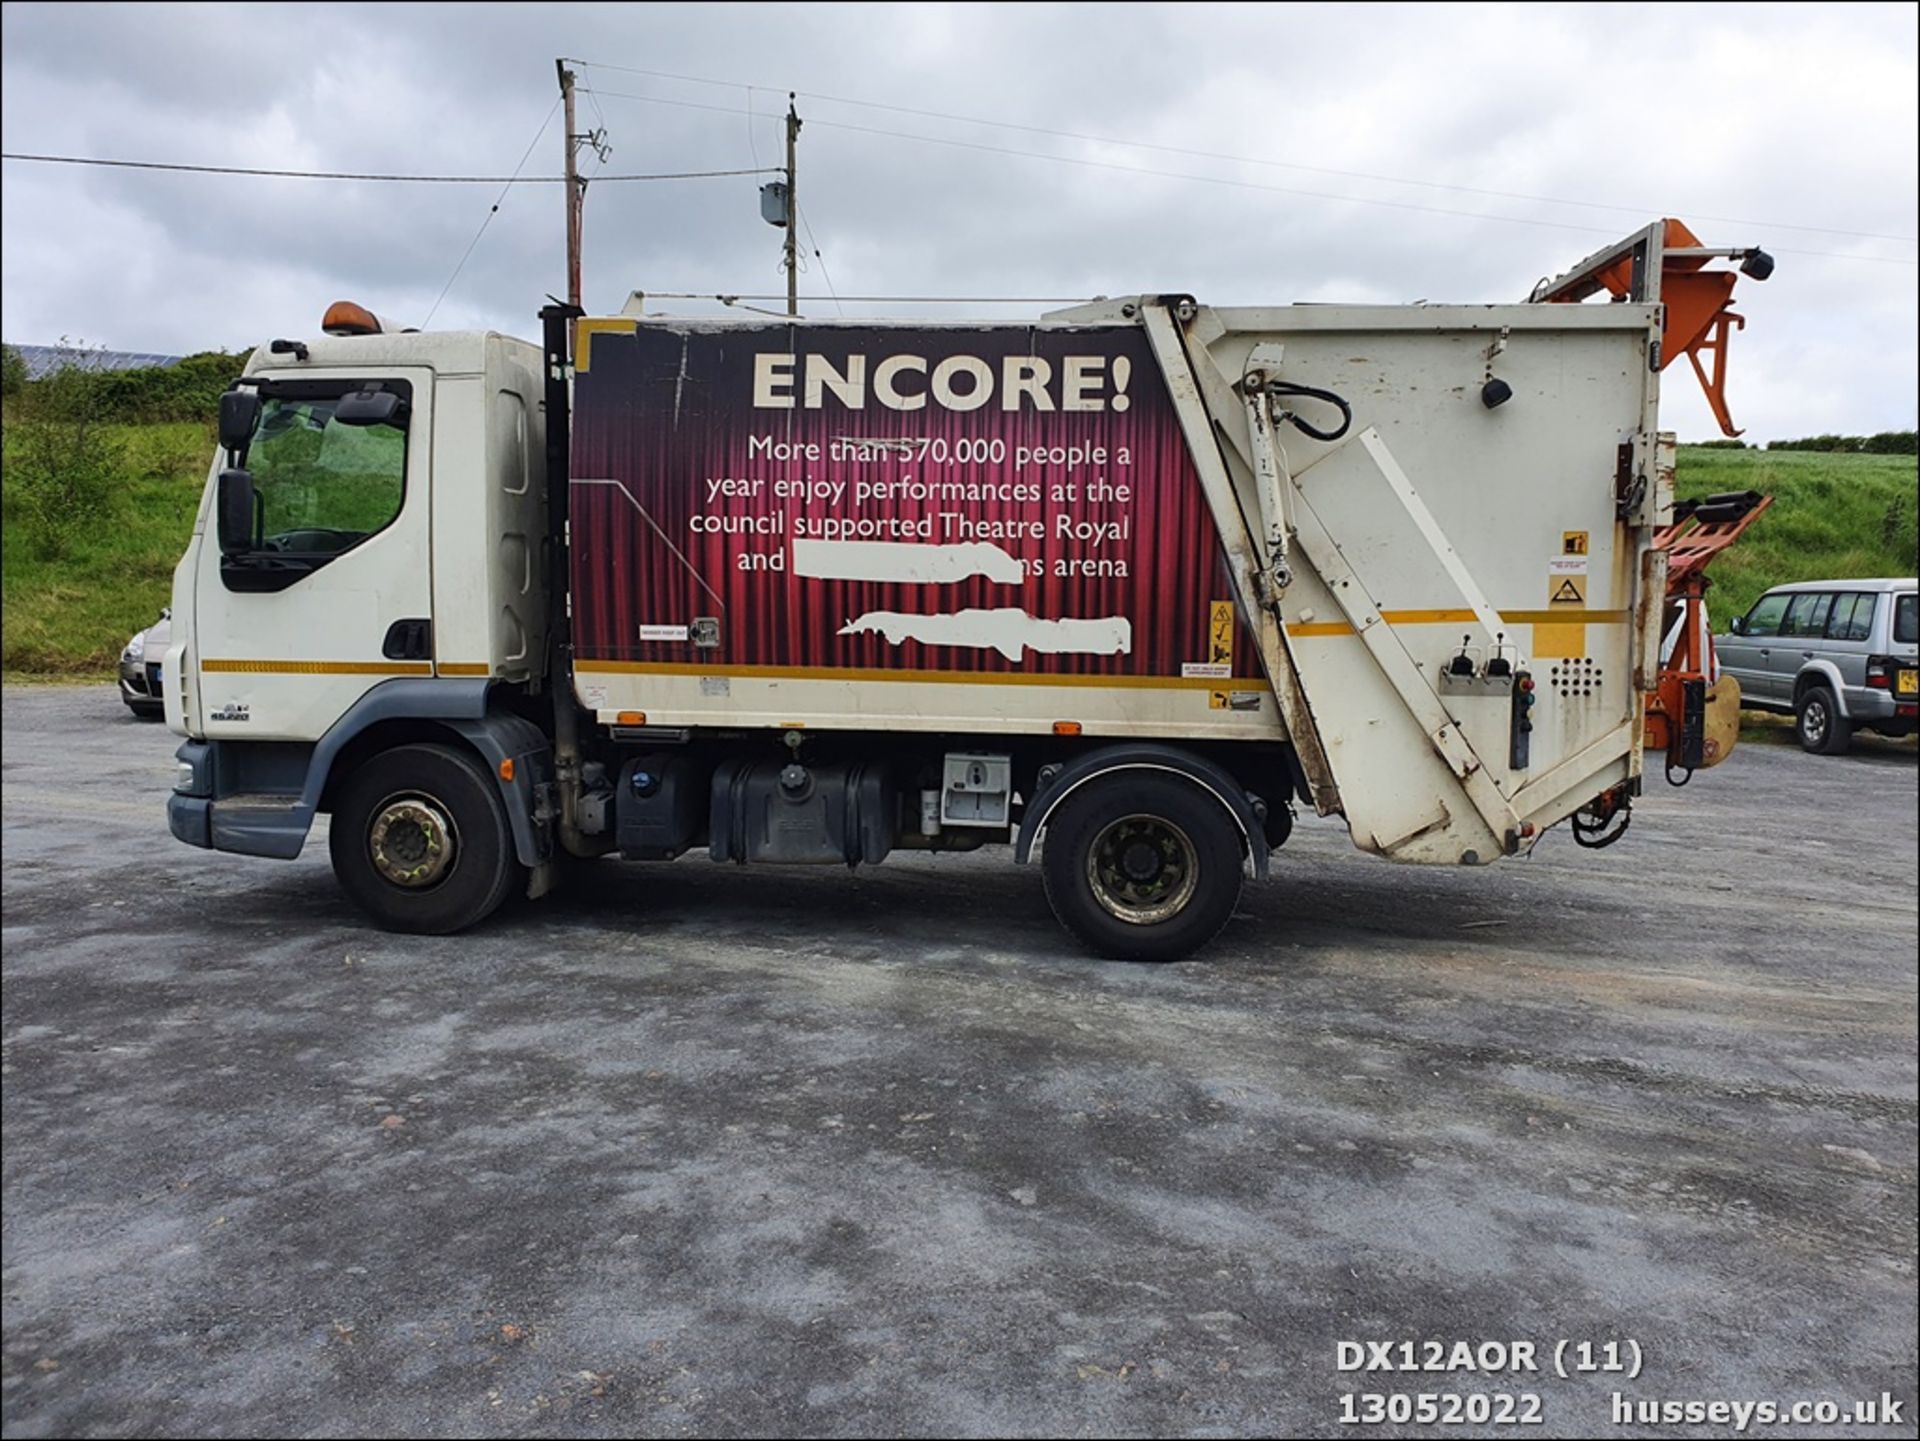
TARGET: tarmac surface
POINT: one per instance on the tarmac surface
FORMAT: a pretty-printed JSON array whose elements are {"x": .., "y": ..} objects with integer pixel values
[{"x": 700, "y": 1150}]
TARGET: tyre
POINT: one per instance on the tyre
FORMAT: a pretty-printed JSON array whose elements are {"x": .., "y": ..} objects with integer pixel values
[
  {"x": 420, "y": 840},
  {"x": 1142, "y": 867},
  {"x": 1819, "y": 724}
]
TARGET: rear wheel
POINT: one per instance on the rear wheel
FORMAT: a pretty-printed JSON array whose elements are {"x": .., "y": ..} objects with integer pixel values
[
  {"x": 1142, "y": 867},
  {"x": 1819, "y": 724},
  {"x": 420, "y": 840}
]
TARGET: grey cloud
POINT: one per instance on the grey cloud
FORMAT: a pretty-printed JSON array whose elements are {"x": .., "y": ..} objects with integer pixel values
[{"x": 1800, "y": 115}]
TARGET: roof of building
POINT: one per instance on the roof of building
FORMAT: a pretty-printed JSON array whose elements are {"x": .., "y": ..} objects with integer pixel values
[{"x": 43, "y": 359}]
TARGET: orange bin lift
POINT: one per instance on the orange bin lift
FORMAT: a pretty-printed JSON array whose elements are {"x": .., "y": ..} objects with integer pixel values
[
  {"x": 1666, "y": 264},
  {"x": 1694, "y": 705}
]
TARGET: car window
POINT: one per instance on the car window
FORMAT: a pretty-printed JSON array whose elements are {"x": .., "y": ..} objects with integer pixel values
[
  {"x": 1807, "y": 615},
  {"x": 1764, "y": 618},
  {"x": 1852, "y": 617},
  {"x": 1903, "y": 619}
]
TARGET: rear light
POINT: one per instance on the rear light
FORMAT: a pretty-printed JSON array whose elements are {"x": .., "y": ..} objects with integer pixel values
[{"x": 1880, "y": 672}]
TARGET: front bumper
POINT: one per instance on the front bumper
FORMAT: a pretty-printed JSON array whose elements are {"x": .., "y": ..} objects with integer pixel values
[
  {"x": 140, "y": 683},
  {"x": 275, "y": 826},
  {"x": 190, "y": 818}
]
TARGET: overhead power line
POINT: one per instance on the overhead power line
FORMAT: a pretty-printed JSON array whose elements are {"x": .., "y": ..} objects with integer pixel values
[
  {"x": 395, "y": 179},
  {"x": 1242, "y": 158},
  {"x": 1214, "y": 179},
  {"x": 492, "y": 211}
]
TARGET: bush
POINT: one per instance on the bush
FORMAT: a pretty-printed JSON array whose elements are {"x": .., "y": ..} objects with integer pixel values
[
  {"x": 1887, "y": 442},
  {"x": 187, "y": 390},
  {"x": 13, "y": 372},
  {"x": 64, "y": 466}
]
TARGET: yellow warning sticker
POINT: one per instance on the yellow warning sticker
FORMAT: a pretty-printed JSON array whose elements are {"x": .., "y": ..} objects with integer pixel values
[
  {"x": 1567, "y": 590},
  {"x": 1573, "y": 542},
  {"x": 1216, "y": 700},
  {"x": 1220, "y": 633}
]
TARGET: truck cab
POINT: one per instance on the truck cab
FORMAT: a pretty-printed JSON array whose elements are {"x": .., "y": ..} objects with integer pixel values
[{"x": 369, "y": 555}]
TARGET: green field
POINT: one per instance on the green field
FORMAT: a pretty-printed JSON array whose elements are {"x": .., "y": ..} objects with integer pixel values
[
  {"x": 1833, "y": 515},
  {"x": 70, "y": 616}
]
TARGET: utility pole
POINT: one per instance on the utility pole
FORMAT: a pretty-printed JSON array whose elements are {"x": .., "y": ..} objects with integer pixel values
[
  {"x": 576, "y": 190},
  {"x": 793, "y": 210}
]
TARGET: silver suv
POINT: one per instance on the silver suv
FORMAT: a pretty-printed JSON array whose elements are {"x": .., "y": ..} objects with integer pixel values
[{"x": 1837, "y": 654}]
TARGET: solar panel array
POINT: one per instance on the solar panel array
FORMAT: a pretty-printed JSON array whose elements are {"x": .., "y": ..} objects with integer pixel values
[{"x": 42, "y": 359}]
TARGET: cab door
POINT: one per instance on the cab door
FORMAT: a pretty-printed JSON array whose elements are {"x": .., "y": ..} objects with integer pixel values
[{"x": 330, "y": 592}]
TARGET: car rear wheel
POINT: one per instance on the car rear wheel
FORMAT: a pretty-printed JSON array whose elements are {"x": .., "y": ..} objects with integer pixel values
[
  {"x": 1823, "y": 731},
  {"x": 420, "y": 840},
  {"x": 1142, "y": 867}
]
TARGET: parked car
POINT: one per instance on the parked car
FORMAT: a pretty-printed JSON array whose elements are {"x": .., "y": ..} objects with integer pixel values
[
  {"x": 1836, "y": 654},
  {"x": 140, "y": 669}
]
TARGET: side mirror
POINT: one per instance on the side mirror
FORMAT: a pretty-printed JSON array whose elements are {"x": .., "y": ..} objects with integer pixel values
[
  {"x": 239, "y": 415},
  {"x": 1738, "y": 625},
  {"x": 368, "y": 407},
  {"x": 233, "y": 512}
]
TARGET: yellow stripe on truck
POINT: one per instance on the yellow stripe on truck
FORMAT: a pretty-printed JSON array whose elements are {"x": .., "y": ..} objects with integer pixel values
[
  {"x": 317, "y": 667},
  {"x": 1565, "y": 616}
]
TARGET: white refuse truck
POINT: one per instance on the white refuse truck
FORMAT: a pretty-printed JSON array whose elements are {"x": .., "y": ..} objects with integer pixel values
[{"x": 1117, "y": 589}]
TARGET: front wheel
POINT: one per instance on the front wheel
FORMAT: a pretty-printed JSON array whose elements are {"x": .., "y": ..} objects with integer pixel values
[
  {"x": 420, "y": 840},
  {"x": 1142, "y": 867},
  {"x": 1819, "y": 724}
]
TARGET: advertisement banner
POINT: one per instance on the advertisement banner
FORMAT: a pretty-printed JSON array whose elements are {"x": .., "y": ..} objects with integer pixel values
[{"x": 947, "y": 499}]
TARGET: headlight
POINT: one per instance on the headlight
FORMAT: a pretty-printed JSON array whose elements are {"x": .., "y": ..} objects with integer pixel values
[{"x": 136, "y": 648}]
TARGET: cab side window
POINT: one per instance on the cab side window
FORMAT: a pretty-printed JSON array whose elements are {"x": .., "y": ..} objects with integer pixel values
[
  {"x": 1807, "y": 615},
  {"x": 1764, "y": 618},
  {"x": 323, "y": 486}
]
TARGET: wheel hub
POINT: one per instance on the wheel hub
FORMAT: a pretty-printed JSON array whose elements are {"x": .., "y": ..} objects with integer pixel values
[
  {"x": 1143, "y": 869},
  {"x": 411, "y": 842}
]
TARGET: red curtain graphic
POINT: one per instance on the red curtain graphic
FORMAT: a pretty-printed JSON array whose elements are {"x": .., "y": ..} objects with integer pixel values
[{"x": 668, "y": 411}]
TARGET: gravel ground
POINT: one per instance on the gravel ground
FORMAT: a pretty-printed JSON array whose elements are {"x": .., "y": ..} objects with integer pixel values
[{"x": 697, "y": 1150}]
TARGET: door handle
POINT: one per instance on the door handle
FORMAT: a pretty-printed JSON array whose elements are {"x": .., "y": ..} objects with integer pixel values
[{"x": 408, "y": 640}]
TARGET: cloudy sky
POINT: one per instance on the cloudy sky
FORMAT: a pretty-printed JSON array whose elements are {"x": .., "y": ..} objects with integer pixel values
[{"x": 1247, "y": 155}]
